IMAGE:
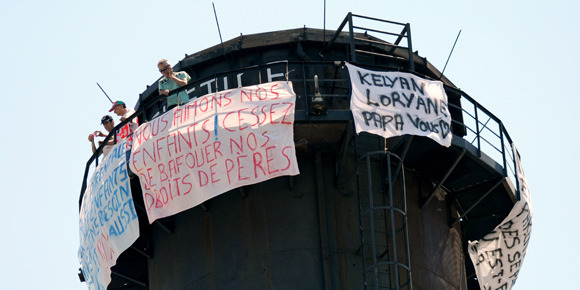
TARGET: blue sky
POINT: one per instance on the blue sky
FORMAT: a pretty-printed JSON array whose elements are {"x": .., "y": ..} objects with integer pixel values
[{"x": 517, "y": 58}]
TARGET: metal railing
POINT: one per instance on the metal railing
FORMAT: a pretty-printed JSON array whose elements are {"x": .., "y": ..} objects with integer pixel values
[
  {"x": 483, "y": 130},
  {"x": 95, "y": 157},
  {"x": 487, "y": 133},
  {"x": 479, "y": 127},
  {"x": 385, "y": 31}
]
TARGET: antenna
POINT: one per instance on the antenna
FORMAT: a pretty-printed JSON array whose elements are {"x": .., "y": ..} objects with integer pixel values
[
  {"x": 218, "y": 25},
  {"x": 450, "y": 54},
  {"x": 220, "y": 33},
  {"x": 324, "y": 27},
  {"x": 105, "y": 93}
]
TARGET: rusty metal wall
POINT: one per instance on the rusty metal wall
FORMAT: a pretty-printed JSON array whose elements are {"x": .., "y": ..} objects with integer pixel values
[{"x": 297, "y": 232}]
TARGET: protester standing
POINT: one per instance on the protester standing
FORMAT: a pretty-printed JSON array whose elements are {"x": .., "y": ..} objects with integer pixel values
[
  {"x": 109, "y": 124},
  {"x": 170, "y": 81}
]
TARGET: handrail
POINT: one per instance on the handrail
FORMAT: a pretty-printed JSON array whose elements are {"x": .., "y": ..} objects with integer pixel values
[
  {"x": 499, "y": 143},
  {"x": 501, "y": 137},
  {"x": 378, "y": 19},
  {"x": 97, "y": 153},
  {"x": 141, "y": 111},
  {"x": 349, "y": 19}
]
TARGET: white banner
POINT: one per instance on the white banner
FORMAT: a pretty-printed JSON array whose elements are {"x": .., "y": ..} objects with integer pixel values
[
  {"x": 498, "y": 256},
  {"x": 392, "y": 104},
  {"x": 108, "y": 221},
  {"x": 213, "y": 144}
]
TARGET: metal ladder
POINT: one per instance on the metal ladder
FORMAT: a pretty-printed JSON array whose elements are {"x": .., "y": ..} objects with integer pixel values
[{"x": 383, "y": 221}]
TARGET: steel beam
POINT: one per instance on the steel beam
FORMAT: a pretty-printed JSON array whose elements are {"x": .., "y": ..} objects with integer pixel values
[
  {"x": 465, "y": 213},
  {"x": 444, "y": 177}
]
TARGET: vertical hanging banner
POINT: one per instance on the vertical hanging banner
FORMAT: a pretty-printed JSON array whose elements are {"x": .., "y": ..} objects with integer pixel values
[
  {"x": 392, "y": 104},
  {"x": 108, "y": 221},
  {"x": 213, "y": 144},
  {"x": 498, "y": 256}
]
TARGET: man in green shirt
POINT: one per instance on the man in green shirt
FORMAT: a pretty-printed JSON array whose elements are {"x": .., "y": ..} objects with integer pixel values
[{"x": 170, "y": 81}]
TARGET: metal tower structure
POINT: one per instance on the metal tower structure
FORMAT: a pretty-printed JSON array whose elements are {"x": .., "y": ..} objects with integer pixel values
[{"x": 365, "y": 212}]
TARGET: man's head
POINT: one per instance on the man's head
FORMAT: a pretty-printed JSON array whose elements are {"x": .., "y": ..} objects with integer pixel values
[
  {"x": 108, "y": 123},
  {"x": 119, "y": 108},
  {"x": 164, "y": 67}
]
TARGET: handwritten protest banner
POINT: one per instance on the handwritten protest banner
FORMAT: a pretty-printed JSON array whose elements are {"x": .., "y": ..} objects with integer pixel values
[
  {"x": 395, "y": 103},
  {"x": 498, "y": 256},
  {"x": 107, "y": 220},
  {"x": 213, "y": 144},
  {"x": 127, "y": 130}
]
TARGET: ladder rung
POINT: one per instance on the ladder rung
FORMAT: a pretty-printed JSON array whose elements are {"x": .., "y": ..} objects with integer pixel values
[
  {"x": 378, "y": 31},
  {"x": 375, "y": 41},
  {"x": 380, "y": 54}
]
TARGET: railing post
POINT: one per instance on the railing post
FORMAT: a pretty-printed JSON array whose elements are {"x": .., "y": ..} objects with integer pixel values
[
  {"x": 351, "y": 38},
  {"x": 516, "y": 171},
  {"x": 503, "y": 153},
  {"x": 477, "y": 130},
  {"x": 410, "y": 46}
]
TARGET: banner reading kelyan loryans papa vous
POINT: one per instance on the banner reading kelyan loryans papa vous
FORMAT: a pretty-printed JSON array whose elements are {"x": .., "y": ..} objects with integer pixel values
[
  {"x": 213, "y": 144},
  {"x": 395, "y": 103}
]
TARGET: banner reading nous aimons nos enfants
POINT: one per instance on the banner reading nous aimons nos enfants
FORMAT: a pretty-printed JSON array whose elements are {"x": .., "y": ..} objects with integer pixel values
[
  {"x": 395, "y": 103},
  {"x": 107, "y": 220},
  {"x": 213, "y": 144}
]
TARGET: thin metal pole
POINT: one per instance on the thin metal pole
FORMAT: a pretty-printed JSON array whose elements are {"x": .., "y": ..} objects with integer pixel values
[
  {"x": 450, "y": 54},
  {"x": 465, "y": 213},
  {"x": 503, "y": 153},
  {"x": 393, "y": 223},
  {"x": 372, "y": 218},
  {"x": 444, "y": 178},
  {"x": 324, "y": 27},
  {"x": 406, "y": 232},
  {"x": 218, "y": 25},
  {"x": 477, "y": 130},
  {"x": 220, "y": 33},
  {"x": 351, "y": 38},
  {"x": 104, "y": 93},
  {"x": 410, "y": 45},
  {"x": 517, "y": 170}
]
